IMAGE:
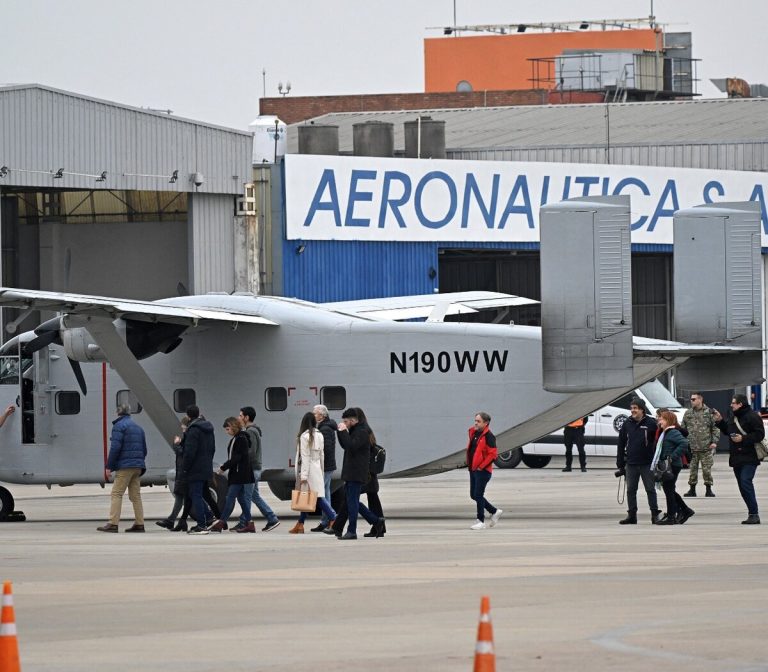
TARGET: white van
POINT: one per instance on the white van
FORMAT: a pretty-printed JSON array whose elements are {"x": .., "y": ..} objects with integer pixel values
[{"x": 601, "y": 432}]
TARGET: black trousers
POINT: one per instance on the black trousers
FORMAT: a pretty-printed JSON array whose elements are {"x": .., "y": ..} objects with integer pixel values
[
  {"x": 575, "y": 435},
  {"x": 374, "y": 504},
  {"x": 209, "y": 500},
  {"x": 675, "y": 503}
]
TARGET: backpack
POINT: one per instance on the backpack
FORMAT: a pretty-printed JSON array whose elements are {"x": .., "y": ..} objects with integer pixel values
[
  {"x": 378, "y": 458},
  {"x": 254, "y": 445}
]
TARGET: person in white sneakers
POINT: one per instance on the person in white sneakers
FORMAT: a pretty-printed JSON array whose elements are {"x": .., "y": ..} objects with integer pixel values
[{"x": 481, "y": 452}]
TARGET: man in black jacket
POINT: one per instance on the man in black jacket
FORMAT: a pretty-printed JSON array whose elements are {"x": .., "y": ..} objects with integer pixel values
[
  {"x": 743, "y": 458},
  {"x": 634, "y": 455},
  {"x": 355, "y": 439},
  {"x": 199, "y": 448}
]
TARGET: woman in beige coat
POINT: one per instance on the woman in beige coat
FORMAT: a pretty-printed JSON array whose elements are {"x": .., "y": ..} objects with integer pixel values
[{"x": 309, "y": 468}]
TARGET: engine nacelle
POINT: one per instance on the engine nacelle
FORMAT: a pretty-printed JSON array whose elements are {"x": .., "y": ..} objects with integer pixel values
[{"x": 79, "y": 345}]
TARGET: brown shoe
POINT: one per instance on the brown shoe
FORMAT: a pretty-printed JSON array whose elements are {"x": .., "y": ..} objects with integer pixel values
[
  {"x": 298, "y": 528},
  {"x": 250, "y": 527},
  {"x": 218, "y": 526},
  {"x": 135, "y": 528},
  {"x": 109, "y": 527}
]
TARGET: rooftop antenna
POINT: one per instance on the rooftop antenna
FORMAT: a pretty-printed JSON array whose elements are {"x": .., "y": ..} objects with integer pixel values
[{"x": 264, "y": 82}]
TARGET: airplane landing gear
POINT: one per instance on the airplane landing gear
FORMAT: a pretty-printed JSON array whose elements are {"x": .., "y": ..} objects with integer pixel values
[{"x": 6, "y": 503}]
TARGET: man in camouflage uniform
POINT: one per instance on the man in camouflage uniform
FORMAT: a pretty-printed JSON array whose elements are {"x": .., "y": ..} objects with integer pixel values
[{"x": 702, "y": 437}]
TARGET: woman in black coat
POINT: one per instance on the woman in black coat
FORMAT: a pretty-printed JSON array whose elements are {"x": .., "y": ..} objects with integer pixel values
[
  {"x": 745, "y": 428},
  {"x": 240, "y": 476}
]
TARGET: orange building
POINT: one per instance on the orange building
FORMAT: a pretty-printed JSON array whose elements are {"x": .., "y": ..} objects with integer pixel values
[{"x": 500, "y": 62}]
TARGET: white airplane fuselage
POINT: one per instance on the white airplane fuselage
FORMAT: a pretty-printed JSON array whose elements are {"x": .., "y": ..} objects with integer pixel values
[{"x": 419, "y": 383}]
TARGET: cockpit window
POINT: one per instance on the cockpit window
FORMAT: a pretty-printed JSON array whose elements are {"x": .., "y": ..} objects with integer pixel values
[{"x": 9, "y": 370}]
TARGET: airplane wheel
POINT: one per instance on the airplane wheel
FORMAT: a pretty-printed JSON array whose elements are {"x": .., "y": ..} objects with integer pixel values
[
  {"x": 510, "y": 459},
  {"x": 219, "y": 489},
  {"x": 6, "y": 503},
  {"x": 536, "y": 461}
]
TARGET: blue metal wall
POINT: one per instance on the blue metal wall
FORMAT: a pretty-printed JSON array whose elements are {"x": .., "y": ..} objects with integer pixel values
[{"x": 331, "y": 270}]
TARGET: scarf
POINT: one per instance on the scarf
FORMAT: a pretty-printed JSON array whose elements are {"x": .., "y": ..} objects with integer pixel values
[{"x": 657, "y": 454}]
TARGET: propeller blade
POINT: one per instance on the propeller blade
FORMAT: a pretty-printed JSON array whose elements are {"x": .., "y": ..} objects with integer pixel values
[
  {"x": 52, "y": 325},
  {"x": 40, "y": 342},
  {"x": 79, "y": 375}
]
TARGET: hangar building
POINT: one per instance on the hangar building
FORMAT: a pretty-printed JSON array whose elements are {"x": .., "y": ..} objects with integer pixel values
[{"x": 103, "y": 198}]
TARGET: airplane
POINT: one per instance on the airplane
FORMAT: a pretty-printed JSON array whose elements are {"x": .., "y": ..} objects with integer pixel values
[{"x": 420, "y": 382}]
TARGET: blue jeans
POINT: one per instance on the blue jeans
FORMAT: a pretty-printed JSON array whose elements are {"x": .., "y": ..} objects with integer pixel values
[
  {"x": 328, "y": 512},
  {"x": 327, "y": 475},
  {"x": 478, "y": 480},
  {"x": 744, "y": 475},
  {"x": 242, "y": 492},
  {"x": 261, "y": 505},
  {"x": 352, "y": 489},
  {"x": 200, "y": 509}
]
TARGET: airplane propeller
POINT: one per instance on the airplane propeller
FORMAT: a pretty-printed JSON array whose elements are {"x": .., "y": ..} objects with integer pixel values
[{"x": 50, "y": 332}]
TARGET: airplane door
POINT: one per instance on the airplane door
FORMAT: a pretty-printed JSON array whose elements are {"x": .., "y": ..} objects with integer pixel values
[{"x": 36, "y": 399}]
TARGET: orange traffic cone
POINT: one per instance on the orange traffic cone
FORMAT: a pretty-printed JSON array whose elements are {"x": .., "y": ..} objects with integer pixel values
[
  {"x": 485, "y": 658},
  {"x": 9, "y": 645}
]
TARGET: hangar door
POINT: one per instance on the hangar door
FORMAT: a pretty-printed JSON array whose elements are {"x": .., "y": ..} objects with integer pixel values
[{"x": 518, "y": 272}]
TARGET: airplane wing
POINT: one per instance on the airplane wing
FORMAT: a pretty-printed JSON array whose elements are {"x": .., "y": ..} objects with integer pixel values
[
  {"x": 649, "y": 347},
  {"x": 432, "y": 306},
  {"x": 145, "y": 311}
]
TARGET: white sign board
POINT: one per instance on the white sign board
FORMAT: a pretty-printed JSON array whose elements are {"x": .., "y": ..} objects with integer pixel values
[{"x": 363, "y": 198}]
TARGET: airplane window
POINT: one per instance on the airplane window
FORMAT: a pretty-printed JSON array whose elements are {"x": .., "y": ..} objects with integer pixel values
[
  {"x": 334, "y": 397},
  {"x": 183, "y": 398},
  {"x": 67, "y": 403},
  {"x": 129, "y": 398},
  {"x": 276, "y": 399}
]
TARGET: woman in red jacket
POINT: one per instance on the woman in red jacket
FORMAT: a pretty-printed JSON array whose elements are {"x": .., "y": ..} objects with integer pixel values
[{"x": 481, "y": 452}]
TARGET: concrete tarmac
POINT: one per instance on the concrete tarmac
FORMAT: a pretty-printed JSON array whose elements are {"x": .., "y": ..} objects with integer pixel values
[{"x": 570, "y": 589}]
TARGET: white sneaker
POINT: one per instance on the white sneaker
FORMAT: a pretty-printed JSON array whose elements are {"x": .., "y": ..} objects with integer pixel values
[
  {"x": 495, "y": 517},
  {"x": 479, "y": 525}
]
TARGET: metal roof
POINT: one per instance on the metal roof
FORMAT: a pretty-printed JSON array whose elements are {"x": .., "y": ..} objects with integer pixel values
[
  {"x": 721, "y": 120},
  {"x": 43, "y": 130}
]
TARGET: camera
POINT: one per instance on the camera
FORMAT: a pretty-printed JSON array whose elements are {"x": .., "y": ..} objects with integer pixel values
[
  {"x": 198, "y": 179},
  {"x": 619, "y": 473}
]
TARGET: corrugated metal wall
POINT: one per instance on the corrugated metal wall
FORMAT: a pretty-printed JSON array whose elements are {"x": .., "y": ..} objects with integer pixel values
[
  {"x": 721, "y": 156},
  {"x": 42, "y": 130},
  {"x": 211, "y": 243}
]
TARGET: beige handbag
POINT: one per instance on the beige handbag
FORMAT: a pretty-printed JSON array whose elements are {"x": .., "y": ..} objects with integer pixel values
[{"x": 303, "y": 499}]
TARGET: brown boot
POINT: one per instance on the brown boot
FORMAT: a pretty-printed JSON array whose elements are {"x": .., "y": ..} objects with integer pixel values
[
  {"x": 109, "y": 527},
  {"x": 298, "y": 528},
  {"x": 135, "y": 528}
]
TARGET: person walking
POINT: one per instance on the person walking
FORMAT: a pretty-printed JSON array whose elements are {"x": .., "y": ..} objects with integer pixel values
[
  {"x": 199, "y": 449},
  {"x": 327, "y": 427},
  {"x": 240, "y": 476},
  {"x": 309, "y": 468},
  {"x": 703, "y": 436},
  {"x": 671, "y": 445},
  {"x": 179, "y": 490},
  {"x": 745, "y": 428},
  {"x": 481, "y": 452},
  {"x": 573, "y": 432},
  {"x": 127, "y": 461},
  {"x": 634, "y": 454},
  {"x": 247, "y": 417},
  {"x": 355, "y": 438}
]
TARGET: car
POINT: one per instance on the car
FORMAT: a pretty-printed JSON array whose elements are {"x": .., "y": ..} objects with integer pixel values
[{"x": 600, "y": 433}]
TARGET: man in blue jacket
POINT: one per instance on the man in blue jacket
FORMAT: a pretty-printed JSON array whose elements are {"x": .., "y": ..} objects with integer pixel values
[{"x": 127, "y": 455}]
